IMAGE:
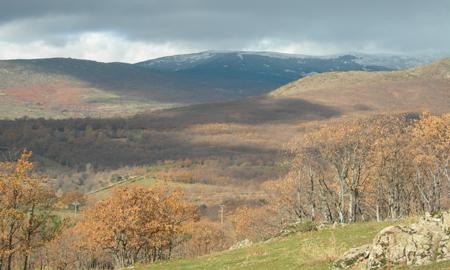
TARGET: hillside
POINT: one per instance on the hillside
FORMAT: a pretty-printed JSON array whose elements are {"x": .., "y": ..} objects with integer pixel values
[
  {"x": 307, "y": 251},
  {"x": 69, "y": 87},
  {"x": 422, "y": 88},
  {"x": 65, "y": 87}
]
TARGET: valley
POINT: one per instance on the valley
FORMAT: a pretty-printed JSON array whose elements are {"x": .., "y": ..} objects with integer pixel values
[
  {"x": 224, "y": 135},
  {"x": 232, "y": 159}
]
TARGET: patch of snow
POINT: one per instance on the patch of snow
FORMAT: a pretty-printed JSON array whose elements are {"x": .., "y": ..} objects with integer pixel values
[
  {"x": 182, "y": 59},
  {"x": 311, "y": 73},
  {"x": 385, "y": 60},
  {"x": 392, "y": 61}
]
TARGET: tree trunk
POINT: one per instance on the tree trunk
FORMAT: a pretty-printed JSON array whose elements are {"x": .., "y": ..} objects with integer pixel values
[
  {"x": 25, "y": 262},
  {"x": 326, "y": 211},
  {"x": 9, "y": 265},
  {"x": 10, "y": 247},
  {"x": 312, "y": 196},
  {"x": 341, "y": 201},
  {"x": 351, "y": 206},
  {"x": 378, "y": 212},
  {"x": 28, "y": 237}
]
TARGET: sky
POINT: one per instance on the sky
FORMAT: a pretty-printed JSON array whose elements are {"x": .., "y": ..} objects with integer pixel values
[{"x": 137, "y": 30}]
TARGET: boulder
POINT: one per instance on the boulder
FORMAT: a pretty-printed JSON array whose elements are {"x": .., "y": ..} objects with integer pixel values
[
  {"x": 420, "y": 243},
  {"x": 417, "y": 244},
  {"x": 353, "y": 257},
  {"x": 242, "y": 244},
  {"x": 297, "y": 227}
]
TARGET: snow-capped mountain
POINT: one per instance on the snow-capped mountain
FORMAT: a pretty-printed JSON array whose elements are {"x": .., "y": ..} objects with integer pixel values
[
  {"x": 246, "y": 72},
  {"x": 344, "y": 61},
  {"x": 253, "y": 73},
  {"x": 393, "y": 61}
]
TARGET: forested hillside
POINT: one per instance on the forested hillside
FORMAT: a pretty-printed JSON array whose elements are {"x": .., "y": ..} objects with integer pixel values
[{"x": 379, "y": 167}]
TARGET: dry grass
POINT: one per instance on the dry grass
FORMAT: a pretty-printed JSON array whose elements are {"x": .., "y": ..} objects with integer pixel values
[{"x": 422, "y": 88}]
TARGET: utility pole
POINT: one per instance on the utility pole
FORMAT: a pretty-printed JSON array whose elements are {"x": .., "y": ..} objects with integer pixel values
[{"x": 221, "y": 210}]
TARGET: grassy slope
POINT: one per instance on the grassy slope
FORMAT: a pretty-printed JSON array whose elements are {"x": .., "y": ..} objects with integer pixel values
[
  {"x": 421, "y": 88},
  {"x": 313, "y": 250},
  {"x": 439, "y": 70}
]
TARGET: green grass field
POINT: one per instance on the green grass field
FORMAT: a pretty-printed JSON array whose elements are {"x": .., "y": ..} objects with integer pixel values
[{"x": 311, "y": 250}]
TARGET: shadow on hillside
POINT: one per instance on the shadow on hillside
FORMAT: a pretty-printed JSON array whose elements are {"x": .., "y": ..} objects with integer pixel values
[
  {"x": 152, "y": 137},
  {"x": 160, "y": 86}
]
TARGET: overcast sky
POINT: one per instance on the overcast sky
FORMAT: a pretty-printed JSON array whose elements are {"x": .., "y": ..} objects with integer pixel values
[{"x": 136, "y": 30}]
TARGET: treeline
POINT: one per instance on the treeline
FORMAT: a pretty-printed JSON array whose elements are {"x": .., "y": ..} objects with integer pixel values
[
  {"x": 382, "y": 167},
  {"x": 115, "y": 142},
  {"x": 103, "y": 143},
  {"x": 77, "y": 152}
]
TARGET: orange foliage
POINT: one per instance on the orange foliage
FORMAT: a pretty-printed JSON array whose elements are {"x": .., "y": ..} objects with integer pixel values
[
  {"x": 204, "y": 237},
  {"x": 257, "y": 223},
  {"x": 137, "y": 224},
  {"x": 26, "y": 222}
]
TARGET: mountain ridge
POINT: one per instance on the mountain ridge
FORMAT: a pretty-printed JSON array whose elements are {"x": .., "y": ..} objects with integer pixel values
[
  {"x": 67, "y": 87},
  {"x": 391, "y": 61}
]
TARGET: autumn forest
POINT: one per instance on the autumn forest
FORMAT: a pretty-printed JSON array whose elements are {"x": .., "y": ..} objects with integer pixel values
[{"x": 348, "y": 170}]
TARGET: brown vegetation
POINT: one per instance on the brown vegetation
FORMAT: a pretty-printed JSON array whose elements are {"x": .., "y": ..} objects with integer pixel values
[
  {"x": 26, "y": 220},
  {"x": 422, "y": 88},
  {"x": 136, "y": 224},
  {"x": 345, "y": 170}
]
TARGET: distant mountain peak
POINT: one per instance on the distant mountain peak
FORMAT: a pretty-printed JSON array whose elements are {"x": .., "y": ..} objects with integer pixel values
[{"x": 189, "y": 61}]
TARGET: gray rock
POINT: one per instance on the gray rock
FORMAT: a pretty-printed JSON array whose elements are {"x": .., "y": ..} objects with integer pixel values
[
  {"x": 297, "y": 227},
  {"x": 353, "y": 257},
  {"x": 417, "y": 244},
  {"x": 242, "y": 244},
  {"x": 420, "y": 243}
]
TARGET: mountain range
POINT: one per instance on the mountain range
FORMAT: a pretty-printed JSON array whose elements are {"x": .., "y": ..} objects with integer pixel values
[{"x": 65, "y": 87}]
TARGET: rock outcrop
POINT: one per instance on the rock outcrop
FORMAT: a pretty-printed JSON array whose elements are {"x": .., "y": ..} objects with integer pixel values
[
  {"x": 353, "y": 257},
  {"x": 417, "y": 244},
  {"x": 242, "y": 244},
  {"x": 297, "y": 227}
]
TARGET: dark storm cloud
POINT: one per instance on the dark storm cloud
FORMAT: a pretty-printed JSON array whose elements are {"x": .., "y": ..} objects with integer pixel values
[{"x": 385, "y": 25}]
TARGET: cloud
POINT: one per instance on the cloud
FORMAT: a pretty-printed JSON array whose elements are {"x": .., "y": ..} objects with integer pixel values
[
  {"x": 175, "y": 26},
  {"x": 105, "y": 47}
]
